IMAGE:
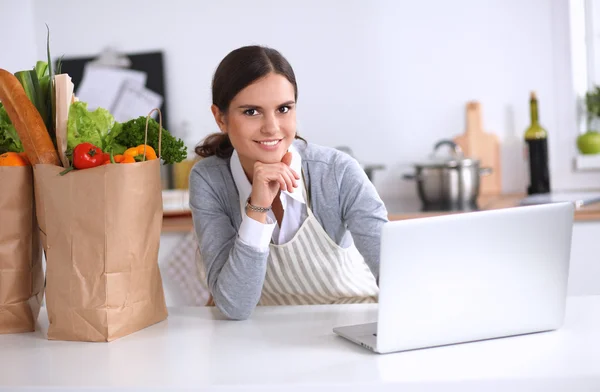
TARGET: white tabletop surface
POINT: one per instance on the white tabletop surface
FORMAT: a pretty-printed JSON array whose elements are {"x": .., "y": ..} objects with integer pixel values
[{"x": 294, "y": 349}]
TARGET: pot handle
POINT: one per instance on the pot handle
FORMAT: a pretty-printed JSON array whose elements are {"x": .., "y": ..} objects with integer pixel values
[
  {"x": 456, "y": 149},
  {"x": 485, "y": 171}
]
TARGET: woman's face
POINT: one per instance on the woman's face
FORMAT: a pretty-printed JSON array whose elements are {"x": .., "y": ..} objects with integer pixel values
[{"x": 261, "y": 121}]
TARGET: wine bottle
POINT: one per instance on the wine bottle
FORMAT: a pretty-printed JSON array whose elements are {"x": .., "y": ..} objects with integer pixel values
[{"x": 536, "y": 142}]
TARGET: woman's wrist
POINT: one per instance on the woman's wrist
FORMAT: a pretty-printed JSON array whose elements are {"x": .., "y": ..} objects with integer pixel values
[
  {"x": 261, "y": 207},
  {"x": 257, "y": 216},
  {"x": 257, "y": 211}
]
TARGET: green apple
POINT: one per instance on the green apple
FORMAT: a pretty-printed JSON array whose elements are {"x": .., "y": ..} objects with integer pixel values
[{"x": 589, "y": 142}]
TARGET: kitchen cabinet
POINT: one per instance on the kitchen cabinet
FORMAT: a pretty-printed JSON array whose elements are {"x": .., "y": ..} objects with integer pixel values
[
  {"x": 584, "y": 269},
  {"x": 174, "y": 292}
]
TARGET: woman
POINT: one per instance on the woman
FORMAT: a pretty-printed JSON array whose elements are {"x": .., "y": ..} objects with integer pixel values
[{"x": 277, "y": 218}]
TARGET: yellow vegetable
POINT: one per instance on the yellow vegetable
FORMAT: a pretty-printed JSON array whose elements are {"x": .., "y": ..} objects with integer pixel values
[{"x": 138, "y": 152}]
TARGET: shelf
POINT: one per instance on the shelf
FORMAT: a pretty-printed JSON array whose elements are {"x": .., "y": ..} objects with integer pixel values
[
  {"x": 176, "y": 202},
  {"x": 588, "y": 162}
]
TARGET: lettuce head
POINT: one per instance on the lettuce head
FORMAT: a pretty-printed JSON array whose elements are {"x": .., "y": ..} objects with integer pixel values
[{"x": 84, "y": 126}]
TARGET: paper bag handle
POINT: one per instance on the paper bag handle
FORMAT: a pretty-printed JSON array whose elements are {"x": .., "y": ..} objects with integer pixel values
[{"x": 159, "y": 132}]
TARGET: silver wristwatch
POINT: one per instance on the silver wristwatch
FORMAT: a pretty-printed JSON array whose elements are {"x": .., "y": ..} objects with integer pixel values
[{"x": 256, "y": 208}]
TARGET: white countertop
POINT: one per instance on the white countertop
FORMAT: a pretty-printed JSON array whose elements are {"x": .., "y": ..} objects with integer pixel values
[{"x": 294, "y": 348}]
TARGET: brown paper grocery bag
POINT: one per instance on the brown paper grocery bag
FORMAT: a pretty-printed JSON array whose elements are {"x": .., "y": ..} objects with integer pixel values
[
  {"x": 101, "y": 233},
  {"x": 21, "y": 274}
]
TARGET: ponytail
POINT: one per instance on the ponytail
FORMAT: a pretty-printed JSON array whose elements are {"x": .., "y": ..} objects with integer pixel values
[{"x": 215, "y": 144}]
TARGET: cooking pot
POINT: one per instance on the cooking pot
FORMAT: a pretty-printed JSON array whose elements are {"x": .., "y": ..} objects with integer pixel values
[{"x": 448, "y": 183}]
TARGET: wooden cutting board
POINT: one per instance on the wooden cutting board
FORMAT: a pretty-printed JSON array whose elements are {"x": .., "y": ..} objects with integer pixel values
[{"x": 484, "y": 146}]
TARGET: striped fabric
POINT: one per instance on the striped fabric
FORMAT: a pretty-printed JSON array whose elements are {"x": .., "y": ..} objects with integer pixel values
[{"x": 313, "y": 269}]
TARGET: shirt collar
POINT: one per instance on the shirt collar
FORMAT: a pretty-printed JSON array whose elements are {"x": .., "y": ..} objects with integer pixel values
[{"x": 245, "y": 187}]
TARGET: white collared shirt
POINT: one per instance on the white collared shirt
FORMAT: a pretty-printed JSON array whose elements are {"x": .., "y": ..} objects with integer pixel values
[{"x": 257, "y": 234}]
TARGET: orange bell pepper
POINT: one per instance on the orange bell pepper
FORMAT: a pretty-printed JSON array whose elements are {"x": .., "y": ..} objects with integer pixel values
[
  {"x": 12, "y": 159},
  {"x": 138, "y": 152},
  {"x": 131, "y": 152},
  {"x": 128, "y": 159},
  {"x": 117, "y": 159}
]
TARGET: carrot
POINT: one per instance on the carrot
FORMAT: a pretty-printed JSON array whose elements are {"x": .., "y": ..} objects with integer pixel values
[{"x": 27, "y": 121}]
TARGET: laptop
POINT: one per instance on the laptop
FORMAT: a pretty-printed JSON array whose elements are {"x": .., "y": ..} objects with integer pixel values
[{"x": 470, "y": 276}]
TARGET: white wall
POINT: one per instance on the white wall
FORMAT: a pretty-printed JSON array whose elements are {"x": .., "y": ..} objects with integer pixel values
[
  {"x": 387, "y": 78},
  {"x": 18, "y": 46}
]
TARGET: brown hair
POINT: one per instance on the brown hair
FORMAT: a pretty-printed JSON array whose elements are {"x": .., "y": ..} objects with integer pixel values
[{"x": 237, "y": 70}]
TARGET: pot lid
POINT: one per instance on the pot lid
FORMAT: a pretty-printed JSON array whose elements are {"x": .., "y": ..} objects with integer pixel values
[
  {"x": 453, "y": 159},
  {"x": 450, "y": 162}
]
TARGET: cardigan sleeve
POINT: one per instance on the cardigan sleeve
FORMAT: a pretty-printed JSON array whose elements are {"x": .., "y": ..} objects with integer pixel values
[
  {"x": 235, "y": 271},
  {"x": 363, "y": 211}
]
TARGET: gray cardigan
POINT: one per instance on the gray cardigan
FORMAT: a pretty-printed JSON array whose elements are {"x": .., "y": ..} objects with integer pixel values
[{"x": 343, "y": 200}]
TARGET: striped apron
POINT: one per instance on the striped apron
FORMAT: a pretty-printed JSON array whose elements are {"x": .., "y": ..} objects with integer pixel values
[{"x": 312, "y": 269}]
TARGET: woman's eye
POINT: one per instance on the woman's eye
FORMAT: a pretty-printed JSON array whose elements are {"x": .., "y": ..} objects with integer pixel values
[
  {"x": 251, "y": 112},
  {"x": 284, "y": 109}
]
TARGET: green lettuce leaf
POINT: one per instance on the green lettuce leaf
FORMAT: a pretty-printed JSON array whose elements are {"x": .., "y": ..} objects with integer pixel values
[
  {"x": 111, "y": 143},
  {"x": 85, "y": 126},
  {"x": 9, "y": 139}
]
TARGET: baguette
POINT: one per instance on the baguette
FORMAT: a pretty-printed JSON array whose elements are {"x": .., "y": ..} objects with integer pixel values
[{"x": 27, "y": 121}]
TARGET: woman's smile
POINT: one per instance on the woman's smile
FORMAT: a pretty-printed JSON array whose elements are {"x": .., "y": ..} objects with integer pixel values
[{"x": 269, "y": 144}]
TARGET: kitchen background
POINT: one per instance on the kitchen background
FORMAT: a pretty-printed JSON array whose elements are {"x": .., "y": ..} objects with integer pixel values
[{"x": 386, "y": 78}]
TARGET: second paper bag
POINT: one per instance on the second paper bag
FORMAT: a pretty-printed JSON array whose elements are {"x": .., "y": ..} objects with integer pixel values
[{"x": 21, "y": 273}]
